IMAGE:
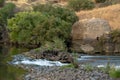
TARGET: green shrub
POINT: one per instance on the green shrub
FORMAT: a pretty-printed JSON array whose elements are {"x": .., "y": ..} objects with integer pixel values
[
  {"x": 67, "y": 66},
  {"x": 6, "y": 12},
  {"x": 37, "y": 28},
  {"x": 2, "y": 3},
  {"x": 114, "y": 1},
  {"x": 115, "y": 36},
  {"x": 115, "y": 73},
  {"x": 42, "y": 25},
  {"x": 111, "y": 70},
  {"x": 78, "y": 5},
  {"x": 89, "y": 67},
  {"x": 62, "y": 13},
  {"x": 57, "y": 44},
  {"x": 100, "y": 1}
]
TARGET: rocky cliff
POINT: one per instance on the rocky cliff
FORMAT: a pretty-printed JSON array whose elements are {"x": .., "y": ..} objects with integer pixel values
[{"x": 86, "y": 32}]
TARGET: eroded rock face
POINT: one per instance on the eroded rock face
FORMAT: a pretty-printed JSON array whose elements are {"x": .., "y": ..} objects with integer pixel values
[
  {"x": 90, "y": 28},
  {"x": 85, "y": 33}
]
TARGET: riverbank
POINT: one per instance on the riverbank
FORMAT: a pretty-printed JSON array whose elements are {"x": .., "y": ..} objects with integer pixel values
[
  {"x": 58, "y": 73},
  {"x": 41, "y": 69}
]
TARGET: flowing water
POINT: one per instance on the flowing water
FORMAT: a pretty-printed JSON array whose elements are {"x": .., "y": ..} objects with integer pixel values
[
  {"x": 100, "y": 61},
  {"x": 21, "y": 59},
  {"x": 10, "y": 55}
]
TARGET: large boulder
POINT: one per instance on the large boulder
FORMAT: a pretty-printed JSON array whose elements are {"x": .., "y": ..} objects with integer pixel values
[{"x": 86, "y": 32}]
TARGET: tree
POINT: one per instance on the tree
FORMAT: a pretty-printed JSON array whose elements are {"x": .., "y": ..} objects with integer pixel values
[
  {"x": 78, "y": 5},
  {"x": 2, "y": 3},
  {"x": 37, "y": 28}
]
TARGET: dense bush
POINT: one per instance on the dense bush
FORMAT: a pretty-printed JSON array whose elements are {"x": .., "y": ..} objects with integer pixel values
[
  {"x": 78, "y": 5},
  {"x": 113, "y": 39},
  {"x": 100, "y": 1},
  {"x": 37, "y": 28},
  {"x": 56, "y": 44},
  {"x": 114, "y": 1},
  {"x": 44, "y": 24},
  {"x": 107, "y": 3},
  {"x": 62, "y": 13},
  {"x": 6, "y": 12},
  {"x": 115, "y": 73},
  {"x": 115, "y": 36},
  {"x": 2, "y": 3}
]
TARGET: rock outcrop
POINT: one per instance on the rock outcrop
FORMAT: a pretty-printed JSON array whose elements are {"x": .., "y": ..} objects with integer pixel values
[
  {"x": 52, "y": 55},
  {"x": 86, "y": 32}
]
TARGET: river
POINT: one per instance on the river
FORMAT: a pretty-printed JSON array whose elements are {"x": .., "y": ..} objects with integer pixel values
[
  {"x": 100, "y": 61},
  {"x": 13, "y": 72}
]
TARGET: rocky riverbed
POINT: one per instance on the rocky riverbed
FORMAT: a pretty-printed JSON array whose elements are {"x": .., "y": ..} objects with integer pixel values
[
  {"x": 58, "y": 73},
  {"x": 53, "y": 72}
]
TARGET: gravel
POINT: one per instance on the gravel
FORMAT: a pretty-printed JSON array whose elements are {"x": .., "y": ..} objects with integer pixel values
[{"x": 58, "y": 73}]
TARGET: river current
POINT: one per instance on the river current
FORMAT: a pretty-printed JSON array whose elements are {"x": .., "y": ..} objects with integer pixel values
[{"x": 11, "y": 56}]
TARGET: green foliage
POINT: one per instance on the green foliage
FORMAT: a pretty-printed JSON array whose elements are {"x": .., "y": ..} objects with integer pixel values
[
  {"x": 115, "y": 36},
  {"x": 67, "y": 66},
  {"x": 37, "y": 28},
  {"x": 115, "y": 73},
  {"x": 57, "y": 44},
  {"x": 75, "y": 57},
  {"x": 6, "y": 12},
  {"x": 100, "y": 1},
  {"x": 78, "y": 5},
  {"x": 59, "y": 12},
  {"x": 101, "y": 43},
  {"x": 45, "y": 25},
  {"x": 114, "y": 1},
  {"x": 44, "y": 8},
  {"x": 111, "y": 70},
  {"x": 88, "y": 67},
  {"x": 2, "y": 3},
  {"x": 105, "y": 69}
]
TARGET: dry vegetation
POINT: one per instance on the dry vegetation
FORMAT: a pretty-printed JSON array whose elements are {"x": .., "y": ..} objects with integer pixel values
[{"x": 110, "y": 13}]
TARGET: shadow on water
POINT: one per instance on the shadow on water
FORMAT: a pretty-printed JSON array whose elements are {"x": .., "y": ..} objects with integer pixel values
[{"x": 7, "y": 71}]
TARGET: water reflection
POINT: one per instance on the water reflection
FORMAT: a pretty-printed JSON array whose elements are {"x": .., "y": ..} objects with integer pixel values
[{"x": 9, "y": 72}]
